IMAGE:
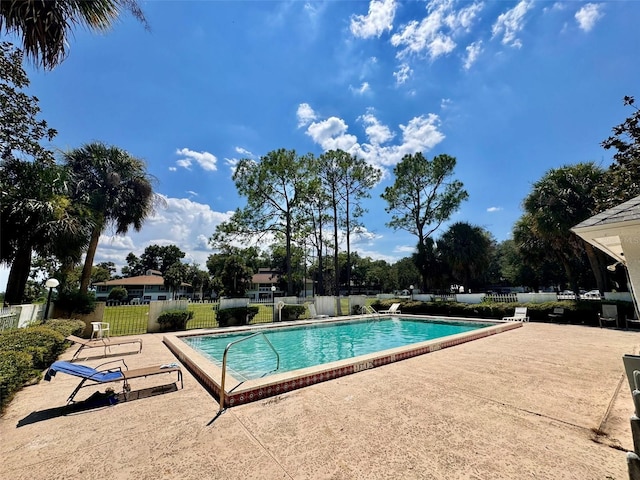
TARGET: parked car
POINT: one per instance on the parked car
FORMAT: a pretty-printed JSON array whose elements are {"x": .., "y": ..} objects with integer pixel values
[{"x": 592, "y": 295}]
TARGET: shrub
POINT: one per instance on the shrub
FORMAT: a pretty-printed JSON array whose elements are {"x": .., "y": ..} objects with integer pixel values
[
  {"x": 72, "y": 302},
  {"x": 66, "y": 327},
  {"x": 292, "y": 312},
  {"x": 172, "y": 320},
  {"x": 236, "y": 316},
  {"x": 42, "y": 343},
  {"x": 119, "y": 294},
  {"x": 15, "y": 370}
]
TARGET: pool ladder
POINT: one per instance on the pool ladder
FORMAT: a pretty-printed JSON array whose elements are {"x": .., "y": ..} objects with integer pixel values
[
  {"x": 224, "y": 364},
  {"x": 368, "y": 309}
]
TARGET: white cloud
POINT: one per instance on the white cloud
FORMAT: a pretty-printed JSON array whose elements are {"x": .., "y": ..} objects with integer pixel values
[
  {"x": 588, "y": 15},
  {"x": 420, "y": 134},
  {"x": 173, "y": 169},
  {"x": 331, "y": 134},
  {"x": 305, "y": 115},
  {"x": 192, "y": 193},
  {"x": 379, "y": 18},
  {"x": 362, "y": 89},
  {"x": 494, "y": 209},
  {"x": 376, "y": 132},
  {"x": 405, "y": 249},
  {"x": 206, "y": 160},
  {"x": 473, "y": 52},
  {"x": 510, "y": 23},
  {"x": 434, "y": 34},
  {"x": 245, "y": 152},
  {"x": 183, "y": 222},
  {"x": 445, "y": 103},
  {"x": 403, "y": 74},
  {"x": 184, "y": 163}
]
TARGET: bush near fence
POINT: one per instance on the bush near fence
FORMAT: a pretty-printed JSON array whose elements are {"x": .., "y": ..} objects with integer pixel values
[
  {"x": 581, "y": 312},
  {"x": 26, "y": 352}
]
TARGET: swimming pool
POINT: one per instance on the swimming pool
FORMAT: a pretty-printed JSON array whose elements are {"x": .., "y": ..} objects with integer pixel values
[
  {"x": 239, "y": 389},
  {"x": 320, "y": 343}
]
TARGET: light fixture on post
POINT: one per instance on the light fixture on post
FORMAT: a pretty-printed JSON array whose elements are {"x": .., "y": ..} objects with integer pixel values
[
  {"x": 411, "y": 292},
  {"x": 50, "y": 284},
  {"x": 612, "y": 267}
]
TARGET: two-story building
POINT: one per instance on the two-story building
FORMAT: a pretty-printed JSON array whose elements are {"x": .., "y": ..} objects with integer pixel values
[{"x": 143, "y": 289}]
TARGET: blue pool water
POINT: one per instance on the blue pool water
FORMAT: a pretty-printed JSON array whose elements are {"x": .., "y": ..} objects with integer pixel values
[{"x": 309, "y": 345}]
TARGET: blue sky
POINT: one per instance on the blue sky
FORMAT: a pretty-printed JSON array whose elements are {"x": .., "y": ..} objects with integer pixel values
[{"x": 511, "y": 89}]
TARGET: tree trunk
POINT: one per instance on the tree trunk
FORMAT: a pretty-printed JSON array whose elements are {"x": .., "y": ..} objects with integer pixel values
[
  {"x": 18, "y": 276},
  {"x": 288, "y": 256},
  {"x": 598, "y": 267},
  {"x": 85, "y": 279},
  {"x": 335, "y": 257}
]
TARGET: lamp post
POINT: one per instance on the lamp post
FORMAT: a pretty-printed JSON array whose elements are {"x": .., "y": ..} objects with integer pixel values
[
  {"x": 411, "y": 292},
  {"x": 50, "y": 284}
]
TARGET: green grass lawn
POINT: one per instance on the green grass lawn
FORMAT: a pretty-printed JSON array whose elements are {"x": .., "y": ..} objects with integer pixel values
[{"x": 132, "y": 319}]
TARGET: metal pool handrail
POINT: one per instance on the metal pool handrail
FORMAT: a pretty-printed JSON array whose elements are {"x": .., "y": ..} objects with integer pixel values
[{"x": 224, "y": 363}]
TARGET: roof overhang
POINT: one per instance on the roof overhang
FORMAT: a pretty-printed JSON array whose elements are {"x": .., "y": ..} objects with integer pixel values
[{"x": 607, "y": 237}]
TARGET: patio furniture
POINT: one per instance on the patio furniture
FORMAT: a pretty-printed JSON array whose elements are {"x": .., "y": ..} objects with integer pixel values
[
  {"x": 100, "y": 375},
  {"x": 609, "y": 315},
  {"x": 520, "y": 315},
  {"x": 558, "y": 314},
  {"x": 313, "y": 312},
  {"x": 100, "y": 342},
  {"x": 393, "y": 310},
  {"x": 99, "y": 330}
]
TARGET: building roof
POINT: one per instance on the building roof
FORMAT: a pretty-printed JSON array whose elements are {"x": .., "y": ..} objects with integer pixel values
[
  {"x": 625, "y": 212},
  {"x": 265, "y": 277},
  {"x": 140, "y": 280},
  {"x": 606, "y": 229}
]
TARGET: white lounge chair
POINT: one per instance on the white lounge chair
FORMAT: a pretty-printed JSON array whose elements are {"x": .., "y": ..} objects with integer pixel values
[
  {"x": 393, "y": 310},
  {"x": 520, "y": 315},
  {"x": 609, "y": 315},
  {"x": 313, "y": 312}
]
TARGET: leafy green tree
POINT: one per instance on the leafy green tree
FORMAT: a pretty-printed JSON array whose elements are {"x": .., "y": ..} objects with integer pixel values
[
  {"x": 406, "y": 274},
  {"x": 175, "y": 276},
  {"x": 355, "y": 182},
  {"x": 467, "y": 249},
  {"x": 315, "y": 211},
  {"x": 115, "y": 187},
  {"x": 275, "y": 188},
  {"x": 422, "y": 197},
  {"x": 235, "y": 277},
  {"x": 45, "y": 25},
  {"x": 118, "y": 294},
  {"x": 36, "y": 213},
  {"x": 562, "y": 198},
  {"x": 103, "y": 272},
  {"x": 622, "y": 180},
  {"x": 154, "y": 257},
  {"x": 200, "y": 280}
]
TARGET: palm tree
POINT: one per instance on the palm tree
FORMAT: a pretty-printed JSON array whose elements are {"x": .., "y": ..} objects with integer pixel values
[
  {"x": 45, "y": 25},
  {"x": 116, "y": 189},
  {"x": 37, "y": 216}
]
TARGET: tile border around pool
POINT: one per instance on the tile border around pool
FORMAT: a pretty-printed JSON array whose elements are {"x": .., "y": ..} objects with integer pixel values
[{"x": 253, "y": 390}]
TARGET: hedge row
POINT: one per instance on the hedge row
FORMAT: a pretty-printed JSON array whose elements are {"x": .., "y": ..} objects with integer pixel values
[
  {"x": 581, "y": 313},
  {"x": 26, "y": 352}
]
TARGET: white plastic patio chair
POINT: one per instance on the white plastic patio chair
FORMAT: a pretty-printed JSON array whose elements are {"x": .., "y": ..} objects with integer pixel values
[
  {"x": 99, "y": 330},
  {"x": 520, "y": 315}
]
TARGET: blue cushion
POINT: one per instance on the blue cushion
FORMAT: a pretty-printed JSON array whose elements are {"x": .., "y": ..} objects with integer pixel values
[{"x": 82, "y": 371}]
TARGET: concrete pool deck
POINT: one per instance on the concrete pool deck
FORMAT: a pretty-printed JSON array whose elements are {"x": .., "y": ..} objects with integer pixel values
[{"x": 523, "y": 404}]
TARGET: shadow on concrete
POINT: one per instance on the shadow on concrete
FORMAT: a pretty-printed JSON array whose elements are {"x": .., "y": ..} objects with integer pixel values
[{"x": 96, "y": 401}]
